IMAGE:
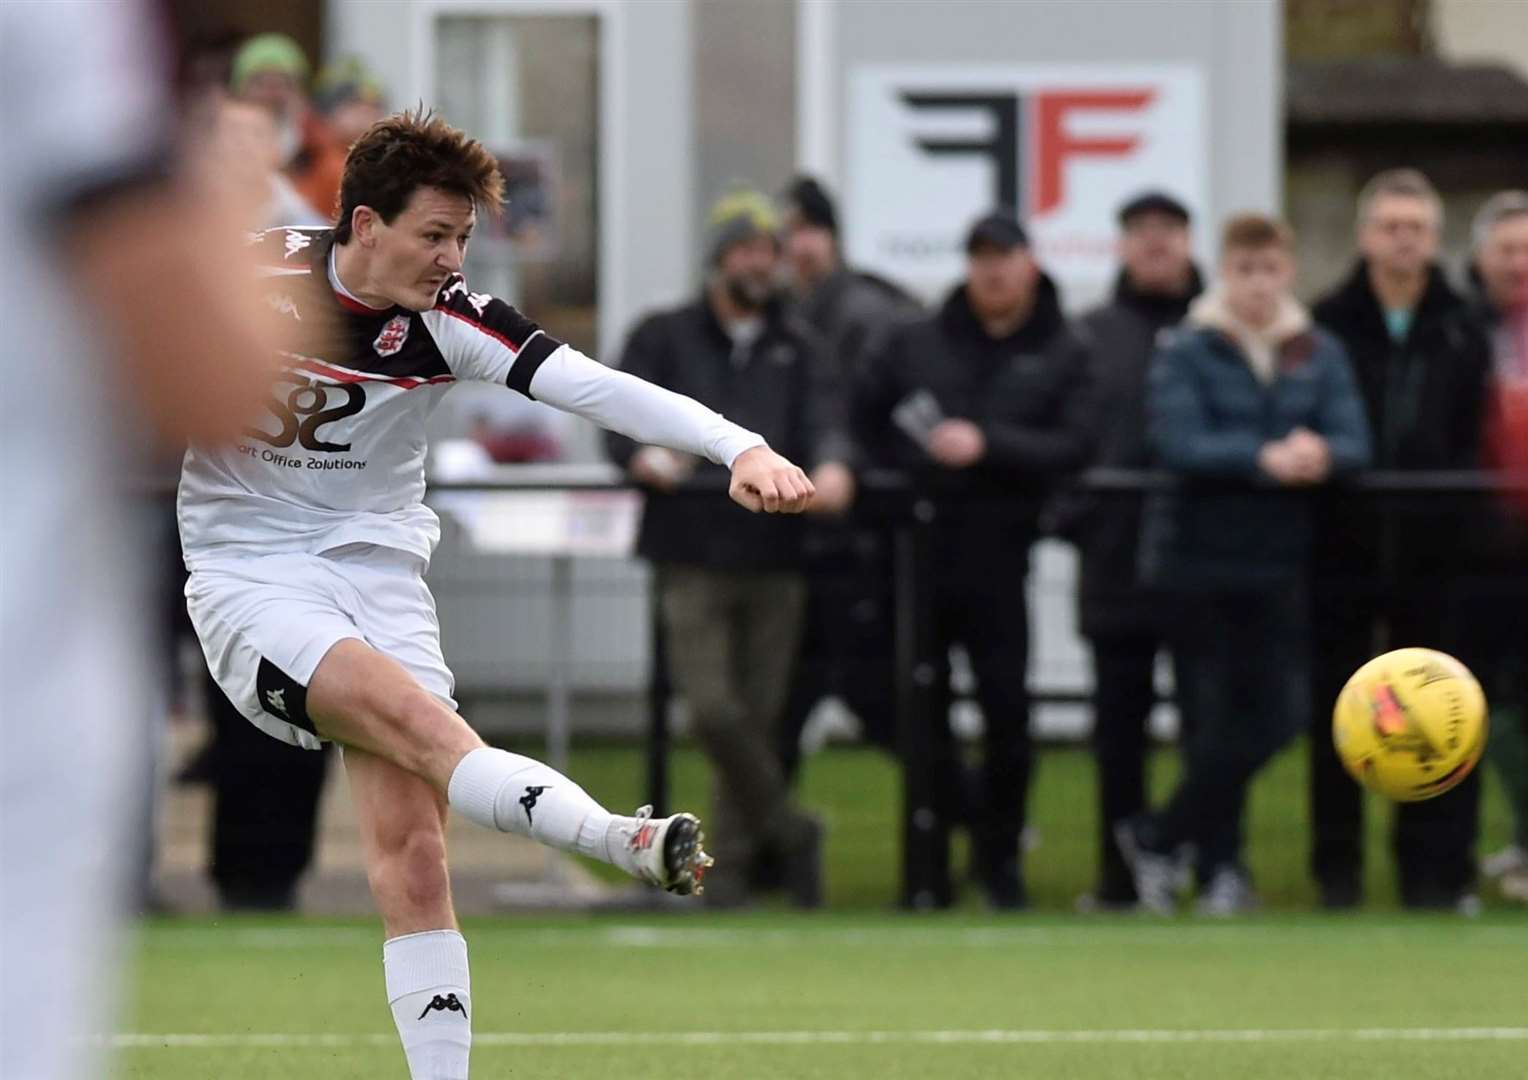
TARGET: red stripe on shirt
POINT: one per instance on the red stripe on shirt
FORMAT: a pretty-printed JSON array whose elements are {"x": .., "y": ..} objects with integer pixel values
[
  {"x": 342, "y": 376},
  {"x": 360, "y": 308},
  {"x": 514, "y": 349}
]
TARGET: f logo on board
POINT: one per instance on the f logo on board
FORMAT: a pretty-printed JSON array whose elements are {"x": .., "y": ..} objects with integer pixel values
[
  {"x": 931, "y": 146},
  {"x": 1033, "y": 138}
]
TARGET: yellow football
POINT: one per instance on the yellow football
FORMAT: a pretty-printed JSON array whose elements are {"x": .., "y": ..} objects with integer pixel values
[{"x": 1410, "y": 724}]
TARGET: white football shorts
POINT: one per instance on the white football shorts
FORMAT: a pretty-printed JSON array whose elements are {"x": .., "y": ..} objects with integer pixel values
[{"x": 266, "y": 622}]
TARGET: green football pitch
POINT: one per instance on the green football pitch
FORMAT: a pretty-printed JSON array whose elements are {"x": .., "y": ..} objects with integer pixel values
[
  {"x": 848, "y": 996},
  {"x": 863, "y": 992}
]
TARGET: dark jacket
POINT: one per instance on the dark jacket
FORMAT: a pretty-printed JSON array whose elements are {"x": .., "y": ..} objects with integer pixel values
[
  {"x": 852, "y": 312},
  {"x": 772, "y": 388},
  {"x": 1122, "y": 336},
  {"x": 1496, "y": 542},
  {"x": 1425, "y": 397},
  {"x": 1208, "y": 418},
  {"x": 1028, "y": 392}
]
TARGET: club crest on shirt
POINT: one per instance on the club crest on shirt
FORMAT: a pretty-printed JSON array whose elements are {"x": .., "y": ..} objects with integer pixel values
[{"x": 393, "y": 335}]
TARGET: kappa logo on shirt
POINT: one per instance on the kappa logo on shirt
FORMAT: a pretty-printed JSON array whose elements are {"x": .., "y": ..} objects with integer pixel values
[
  {"x": 296, "y": 241},
  {"x": 393, "y": 335},
  {"x": 478, "y": 300}
]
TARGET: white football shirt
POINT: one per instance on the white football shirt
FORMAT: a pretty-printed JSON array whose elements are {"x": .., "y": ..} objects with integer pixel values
[{"x": 339, "y": 458}]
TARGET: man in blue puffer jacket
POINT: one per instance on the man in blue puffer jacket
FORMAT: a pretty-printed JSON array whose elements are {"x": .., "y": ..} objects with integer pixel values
[{"x": 1249, "y": 395}]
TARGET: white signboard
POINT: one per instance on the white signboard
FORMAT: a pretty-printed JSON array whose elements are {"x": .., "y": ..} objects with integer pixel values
[{"x": 932, "y": 147}]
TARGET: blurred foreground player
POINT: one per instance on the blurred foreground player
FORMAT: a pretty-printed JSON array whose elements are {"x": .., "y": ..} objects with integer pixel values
[
  {"x": 120, "y": 285},
  {"x": 308, "y": 542}
]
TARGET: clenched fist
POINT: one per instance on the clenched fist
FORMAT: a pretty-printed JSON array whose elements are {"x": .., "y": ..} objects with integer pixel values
[{"x": 763, "y": 480}]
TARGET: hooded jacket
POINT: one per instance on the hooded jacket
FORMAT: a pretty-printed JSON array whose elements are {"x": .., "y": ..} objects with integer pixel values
[
  {"x": 1028, "y": 392},
  {"x": 1212, "y": 405}
]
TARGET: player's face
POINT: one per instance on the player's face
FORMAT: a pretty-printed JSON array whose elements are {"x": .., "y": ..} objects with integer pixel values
[
  {"x": 1400, "y": 234},
  {"x": 1256, "y": 280},
  {"x": 1503, "y": 263},
  {"x": 1154, "y": 249},
  {"x": 412, "y": 257}
]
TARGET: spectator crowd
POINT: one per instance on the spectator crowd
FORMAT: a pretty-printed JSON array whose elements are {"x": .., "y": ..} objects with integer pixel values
[{"x": 1257, "y": 573}]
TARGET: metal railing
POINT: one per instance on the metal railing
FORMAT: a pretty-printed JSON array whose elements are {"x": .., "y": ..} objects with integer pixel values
[{"x": 896, "y": 503}]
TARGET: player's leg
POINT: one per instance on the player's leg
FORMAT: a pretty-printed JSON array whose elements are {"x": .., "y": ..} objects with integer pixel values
[
  {"x": 360, "y": 698},
  {"x": 424, "y": 958}
]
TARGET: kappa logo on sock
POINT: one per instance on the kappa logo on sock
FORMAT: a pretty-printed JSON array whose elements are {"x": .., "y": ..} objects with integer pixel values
[
  {"x": 444, "y": 1004},
  {"x": 528, "y": 800}
]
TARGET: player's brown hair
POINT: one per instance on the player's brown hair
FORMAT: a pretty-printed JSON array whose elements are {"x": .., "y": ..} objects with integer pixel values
[
  {"x": 411, "y": 150},
  {"x": 1256, "y": 231}
]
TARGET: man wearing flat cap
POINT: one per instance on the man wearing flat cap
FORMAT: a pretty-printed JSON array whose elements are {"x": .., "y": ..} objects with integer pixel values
[
  {"x": 730, "y": 587},
  {"x": 1124, "y": 621},
  {"x": 986, "y": 405}
]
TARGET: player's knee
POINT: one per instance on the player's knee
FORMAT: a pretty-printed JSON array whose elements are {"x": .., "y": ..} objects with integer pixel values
[{"x": 411, "y": 715}]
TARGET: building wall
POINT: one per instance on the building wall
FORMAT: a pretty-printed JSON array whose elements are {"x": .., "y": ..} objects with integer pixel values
[
  {"x": 1482, "y": 31},
  {"x": 1237, "y": 47},
  {"x": 646, "y": 177},
  {"x": 745, "y": 108}
]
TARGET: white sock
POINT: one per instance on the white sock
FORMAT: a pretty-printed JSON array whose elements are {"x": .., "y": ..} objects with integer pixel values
[
  {"x": 516, "y": 794},
  {"x": 430, "y": 994}
]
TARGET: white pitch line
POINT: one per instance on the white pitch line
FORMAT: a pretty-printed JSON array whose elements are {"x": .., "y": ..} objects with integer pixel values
[
  {"x": 836, "y": 1038},
  {"x": 637, "y": 936}
]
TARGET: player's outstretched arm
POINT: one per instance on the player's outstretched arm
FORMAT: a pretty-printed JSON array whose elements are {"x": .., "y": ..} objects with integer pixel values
[
  {"x": 653, "y": 416},
  {"x": 764, "y": 480},
  {"x": 485, "y": 339}
]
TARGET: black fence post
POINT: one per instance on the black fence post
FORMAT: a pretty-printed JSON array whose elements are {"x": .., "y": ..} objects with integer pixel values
[
  {"x": 924, "y": 843},
  {"x": 658, "y": 694}
]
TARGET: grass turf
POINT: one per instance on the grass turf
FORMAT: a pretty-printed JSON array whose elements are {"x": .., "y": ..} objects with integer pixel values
[
  {"x": 846, "y": 975},
  {"x": 715, "y": 992}
]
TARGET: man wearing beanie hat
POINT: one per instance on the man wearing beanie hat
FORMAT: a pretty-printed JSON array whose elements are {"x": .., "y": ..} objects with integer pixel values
[
  {"x": 847, "y": 648},
  {"x": 731, "y": 593},
  {"x": 271, "y": 70},
  {"x": 986, "y": 405},
  {"x": 849, "y": 308}
]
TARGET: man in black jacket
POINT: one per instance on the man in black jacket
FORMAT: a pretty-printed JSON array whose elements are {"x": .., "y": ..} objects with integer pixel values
[
  {"x": 1384, "y": 571},
  {"x": 847, "y": 649},
  {"x": 985, "y": 404},
  {"x": 731, "y": 592},
  {"x": 1125, "y": 622}
]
